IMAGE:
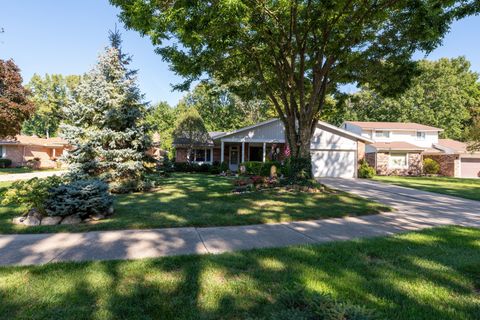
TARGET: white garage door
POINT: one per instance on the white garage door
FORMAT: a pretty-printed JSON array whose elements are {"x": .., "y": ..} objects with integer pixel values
[
  {"x": 470, "y": 167},
  {"x": 333, "y": 163}
]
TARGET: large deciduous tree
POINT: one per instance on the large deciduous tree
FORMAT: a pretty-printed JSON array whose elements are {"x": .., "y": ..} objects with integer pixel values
[
  {"x": 104, "y": 123},
  {"x": 50, "y": 95},
  {"x": 296, "y": 51},
  {"x": 223, "y": 110},
  {"x": 445, "y": 94},
  {"x": 190, "y": 130},
  {"x": 15, "y": 106},
  {"x": 161, "y": 121}
]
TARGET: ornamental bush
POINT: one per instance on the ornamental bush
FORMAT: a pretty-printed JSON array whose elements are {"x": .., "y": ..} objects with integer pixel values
[
  {"x": 81, "y": 197},
  {"x": 430, "y": 166},
  {"x": 365, "y": 171},
  {"x": 5, "y": 163},
  {"x": 31, "y": 193},
  {"x": 297, "y": 170}
]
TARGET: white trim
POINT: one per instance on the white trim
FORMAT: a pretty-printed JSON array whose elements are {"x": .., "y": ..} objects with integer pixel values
[{"x": 254, "y": 140}]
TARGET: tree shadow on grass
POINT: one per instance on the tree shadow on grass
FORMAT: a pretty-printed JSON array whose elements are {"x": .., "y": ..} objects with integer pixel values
[{"x": 427, "y": 275}]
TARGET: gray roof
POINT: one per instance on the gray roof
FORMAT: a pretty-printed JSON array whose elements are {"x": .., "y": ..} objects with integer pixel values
[{"x": 180, "y": 141}]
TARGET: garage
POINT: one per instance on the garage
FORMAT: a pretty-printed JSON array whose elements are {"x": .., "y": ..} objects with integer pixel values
[
  {"x": 470, "y": 167},
  {"x": 333, "y": 163}
]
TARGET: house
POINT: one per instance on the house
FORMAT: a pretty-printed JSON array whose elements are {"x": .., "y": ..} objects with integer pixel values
[
  {"x": 399, "y": 149},
  {"x": 32, "y": 150},
  {"x": 335, "y": 151}
]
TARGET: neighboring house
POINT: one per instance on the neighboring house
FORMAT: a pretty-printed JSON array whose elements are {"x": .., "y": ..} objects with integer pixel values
[
  {"x": 399, "y": 149},
  {"x": 335, "y": 152},
  {"x": 32, "y": 150}
]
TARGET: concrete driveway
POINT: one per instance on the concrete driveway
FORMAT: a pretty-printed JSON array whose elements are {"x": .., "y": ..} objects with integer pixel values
[
  {"x": 29, "y": 175},
  {"x": 414, "y": 210}
]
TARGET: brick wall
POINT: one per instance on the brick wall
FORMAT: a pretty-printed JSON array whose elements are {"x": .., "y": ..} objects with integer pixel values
[
  {"x": 370, "y": 157},
  {"x": 449, "y": 164},
  {"x": 21, "y": 154},
  {"x": 360, "y": 150}
]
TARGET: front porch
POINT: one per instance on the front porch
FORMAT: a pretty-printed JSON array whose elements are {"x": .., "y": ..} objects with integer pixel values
[{"x": 235, "y": 153}]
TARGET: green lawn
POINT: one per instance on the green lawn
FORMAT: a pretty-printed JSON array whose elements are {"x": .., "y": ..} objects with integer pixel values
[
  {"x": 433, "y": 274},
  {"x": 23, "y": 170},
  {"x": 205, "y": 200},
  {"x": 464, "y": 188}
]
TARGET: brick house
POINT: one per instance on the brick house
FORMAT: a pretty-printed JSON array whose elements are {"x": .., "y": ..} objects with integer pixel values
[
  {"x": 399, "y": 149},
  {"x": 335, "y": 152},
  {"x": 32, "y": 150}
]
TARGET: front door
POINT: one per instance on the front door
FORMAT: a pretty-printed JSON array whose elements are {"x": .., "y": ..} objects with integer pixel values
[{"x": 234, "y": 158}]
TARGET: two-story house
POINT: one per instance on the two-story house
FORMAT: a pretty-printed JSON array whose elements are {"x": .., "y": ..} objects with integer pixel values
[{"x": 399, "y": 149}]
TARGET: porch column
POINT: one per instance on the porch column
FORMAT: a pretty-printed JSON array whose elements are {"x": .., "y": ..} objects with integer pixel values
[
  {"x": 53, "y": 153},
  {"x": 264, "y": 151},
  {"x": 211, "y": 155},
  {"x": 222, "y": 152},
  {"x": 243, "y": 151}
]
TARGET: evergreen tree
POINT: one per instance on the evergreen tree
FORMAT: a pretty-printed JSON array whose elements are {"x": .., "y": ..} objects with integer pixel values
[{"x": 105, "y": 123}]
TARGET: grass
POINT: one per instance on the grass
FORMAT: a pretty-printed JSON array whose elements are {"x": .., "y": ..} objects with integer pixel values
[
  {"x": 23, "y": 170},
  {"x": 204, "y": 200},
  {"x": 433, "y": 274},
  {"x": 458, "y": 187}
]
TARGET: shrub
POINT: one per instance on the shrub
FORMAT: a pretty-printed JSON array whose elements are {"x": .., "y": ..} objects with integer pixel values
[
  {"x": 430, "y": 166},
  {"x": 81, "y": 197},
  {"x": 297, "y": 169},
  {"x": 253, "y": 167},
  {"x": 31, "y": 193},
  {"x": 365, "y": 171},
  {"x": 131, "y": 185},
  {"x": 5, "y": 163}
]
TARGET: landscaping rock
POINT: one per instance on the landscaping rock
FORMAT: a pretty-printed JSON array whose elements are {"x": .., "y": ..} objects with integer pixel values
[
  {"x": 33, "y": 218},
  {"x": 32, "y": 221},
  {"x": 97, "y": 217},
  {"x": 18, "y": 220},
  {"x": 72, "y": 219},
  {"x": 51, "y": 221}
]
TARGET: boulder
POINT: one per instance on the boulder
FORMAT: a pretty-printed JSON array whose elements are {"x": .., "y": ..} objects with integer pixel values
[
  {"x": 32, "y": 221},
  {"x": 51, "y": 221},
  {"x": 72, "y": 219},
  {"x": 18, "y": 220}
]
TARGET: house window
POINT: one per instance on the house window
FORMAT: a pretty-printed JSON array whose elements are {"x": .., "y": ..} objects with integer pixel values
[
  {"x": 398, "y": 161},
  {"x": 420, "y": 135},
  {"x": 382, "y": 134},
  {"x": 201, "y": 155},
  {"x": 1, "y": 151}
]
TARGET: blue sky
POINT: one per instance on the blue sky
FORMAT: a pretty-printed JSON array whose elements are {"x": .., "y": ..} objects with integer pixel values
[{"x": 66, "y": 36}]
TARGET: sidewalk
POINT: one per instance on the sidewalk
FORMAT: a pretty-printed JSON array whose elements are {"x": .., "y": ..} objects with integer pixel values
[{"x": 414, "y": 210}]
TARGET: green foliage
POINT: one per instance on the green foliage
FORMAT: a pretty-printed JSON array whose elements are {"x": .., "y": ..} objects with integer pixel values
[
  {"x": 297, "y": 170},
  {"x": 430, "y": 166},
  {"x": 190, "y": 130},
  {"x": 104, "y": 123},
  {"x": 263, "y": 169},
  {"x": 473, "y": 136},
  {"x": 223, "y": 110},
  {"x": 82, "y": 198},
  {"x": 446, "y": 94},
  {"x": 295, "y": 52},
  {"x": 192, "y": 167},
  {"x": 5, "y": 163},
  {"x": 31, "y": 193},
  {"x": 365, "y": 171},
  {"x": 161, "y": 122},
  {"x": 50, "y": 95}
]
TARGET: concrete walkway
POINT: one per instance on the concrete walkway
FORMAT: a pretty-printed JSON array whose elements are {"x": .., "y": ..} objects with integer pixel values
[
  {"x": 414, "y": 210},
  {"x": 29, "y": 175}
]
